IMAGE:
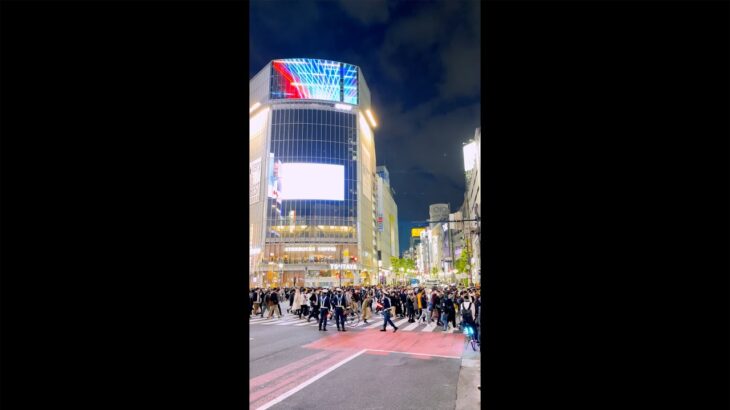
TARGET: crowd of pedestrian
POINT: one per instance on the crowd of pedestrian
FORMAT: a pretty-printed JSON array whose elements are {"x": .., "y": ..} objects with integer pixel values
[{"x": 449, "y": 307}]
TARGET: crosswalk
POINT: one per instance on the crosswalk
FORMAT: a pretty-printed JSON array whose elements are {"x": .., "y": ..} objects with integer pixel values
[{"x": 373, "y": 323}]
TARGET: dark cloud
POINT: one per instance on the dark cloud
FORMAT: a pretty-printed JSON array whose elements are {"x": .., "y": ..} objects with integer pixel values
[
  {"x": 366, "y": 11},
  {"x": 443, "y": 35},
  {"x": 422, "y": 63}
]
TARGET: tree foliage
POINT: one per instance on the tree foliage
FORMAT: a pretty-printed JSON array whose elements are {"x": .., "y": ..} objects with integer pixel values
[{"x": 462, "y": 264}]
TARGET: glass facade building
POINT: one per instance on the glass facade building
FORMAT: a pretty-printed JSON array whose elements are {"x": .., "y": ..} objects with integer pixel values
[{"x": 311, "y": 175}]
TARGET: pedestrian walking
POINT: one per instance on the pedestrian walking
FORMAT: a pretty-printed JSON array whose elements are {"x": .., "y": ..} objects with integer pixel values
[
  {"x": 314, "y": 306},
  {"x": 410, "y": 307},
  {"x": 436, "y": 307},
  {"x": 256, "y": 301},
  {"x": 367, "y": 308},
  {"x": 265, "y": 306},
  {"x": 274, "y": 304},
  {"x": 386, "y": 314}
]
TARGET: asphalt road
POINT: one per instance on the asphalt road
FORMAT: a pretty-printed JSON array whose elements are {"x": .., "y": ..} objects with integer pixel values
[{"x": 299, "y": 367}]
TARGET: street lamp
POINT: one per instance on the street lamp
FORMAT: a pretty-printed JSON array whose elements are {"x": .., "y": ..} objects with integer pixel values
[{"x": 281, "y": 274}]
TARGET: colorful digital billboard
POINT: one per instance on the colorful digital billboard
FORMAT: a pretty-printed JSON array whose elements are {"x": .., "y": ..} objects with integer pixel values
[
  {"x": 349, "y": 84},
  {"x": 310, "y": 79}
]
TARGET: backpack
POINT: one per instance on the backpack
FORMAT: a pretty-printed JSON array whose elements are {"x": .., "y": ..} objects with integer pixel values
[{"x": 466, "y": 312}]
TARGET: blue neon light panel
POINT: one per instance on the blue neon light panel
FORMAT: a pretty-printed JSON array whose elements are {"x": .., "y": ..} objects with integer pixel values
[{"x": 305, "y": 78}]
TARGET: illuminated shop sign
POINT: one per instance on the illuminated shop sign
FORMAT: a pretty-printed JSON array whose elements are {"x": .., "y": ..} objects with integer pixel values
[
  {"x": 310, "y": 249},
  {"x": 311, "y": 79},
  {"x": 351, "y": 266}
]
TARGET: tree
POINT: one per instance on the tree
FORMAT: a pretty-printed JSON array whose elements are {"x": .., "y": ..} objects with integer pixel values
[
  {"x": 462, "y": 263},
  {"x": 395, "y": 263}
]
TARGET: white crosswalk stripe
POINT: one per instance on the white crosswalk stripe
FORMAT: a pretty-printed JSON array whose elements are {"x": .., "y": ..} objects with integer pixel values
[
  {"x": 290, "y": 322},
  {"x": 275, "y": 321},
  {"x": 375, "y": 324},
  {"x": 429, "y": 328},
  {"x": 411, "y": 327}
]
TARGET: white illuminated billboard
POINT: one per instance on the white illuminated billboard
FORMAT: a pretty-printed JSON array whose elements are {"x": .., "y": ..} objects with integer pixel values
[
  {"x": 312, "y": 181},
  {"x": 470, "y": 155}
]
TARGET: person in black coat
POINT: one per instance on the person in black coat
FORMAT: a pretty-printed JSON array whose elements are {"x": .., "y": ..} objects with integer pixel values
[
  {"x": 410, "y": 308},
  {"x": 386, "y": 314},
  {"x": 314, "y": 306},
  {"x": 436, "y": 300},
  {"x": 324, "y": 307}
]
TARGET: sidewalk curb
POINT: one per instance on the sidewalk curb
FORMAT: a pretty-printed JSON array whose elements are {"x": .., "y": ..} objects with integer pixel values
[{"x": 468, "y": 395}]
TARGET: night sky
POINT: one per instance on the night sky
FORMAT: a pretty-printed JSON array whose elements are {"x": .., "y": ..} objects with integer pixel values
[{"x": 421, "y": 60}]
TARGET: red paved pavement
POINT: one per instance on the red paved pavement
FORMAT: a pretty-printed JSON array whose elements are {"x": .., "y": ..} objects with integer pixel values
[{"x": 436, "y": 344}]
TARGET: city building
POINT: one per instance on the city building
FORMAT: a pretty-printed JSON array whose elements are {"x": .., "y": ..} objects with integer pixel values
[
  {"x": 312, "y": 181},
  {"x": 438, "y": 213},
  {"x": 386, "y": 219},
  {"x": 473, "y": 201}
]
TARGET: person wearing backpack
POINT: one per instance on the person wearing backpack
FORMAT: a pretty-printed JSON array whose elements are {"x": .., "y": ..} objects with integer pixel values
[{"x": 467, "y": 315}]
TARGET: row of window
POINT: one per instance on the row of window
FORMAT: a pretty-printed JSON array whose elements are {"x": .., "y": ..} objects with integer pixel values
[
  {"x": 328, "y": 138},
  {"x": 313, "y": 116}
]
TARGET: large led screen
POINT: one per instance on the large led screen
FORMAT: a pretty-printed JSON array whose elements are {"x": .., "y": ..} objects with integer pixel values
[
  {"x": 306, "y": 78},
  {"x": 349, "y": 84},
  {"x": 312, "y": 181}
]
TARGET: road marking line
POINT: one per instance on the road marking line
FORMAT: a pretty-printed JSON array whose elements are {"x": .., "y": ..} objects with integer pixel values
[
  {"x": 276, "y": 322},
  {"x": 400, "y": 322},
  {"x": 310, "y": 381},
  {"x": 415, "y": 354},
  {"x": 429, "y": 328},
  {"x": 374, "y": 325},
  {"x": 290, "y": 322},
  {"x": 451, "y": 330},
  {"x": 410, "y": 327}
]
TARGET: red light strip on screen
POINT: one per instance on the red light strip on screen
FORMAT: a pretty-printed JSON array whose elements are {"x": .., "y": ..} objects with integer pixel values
[{"x": 288, "y": 87}]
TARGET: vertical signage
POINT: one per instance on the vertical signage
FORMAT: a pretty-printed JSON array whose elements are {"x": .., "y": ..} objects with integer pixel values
[{"x": 254, "y": 181}]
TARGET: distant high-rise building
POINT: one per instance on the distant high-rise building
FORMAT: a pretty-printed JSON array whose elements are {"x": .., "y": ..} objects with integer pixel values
[
  {"x": 311, "y": 175},
  {"x": 473, "y": 201},
  {"x": 438, "y": 212},
  {"x": 386, "y": 218}
]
